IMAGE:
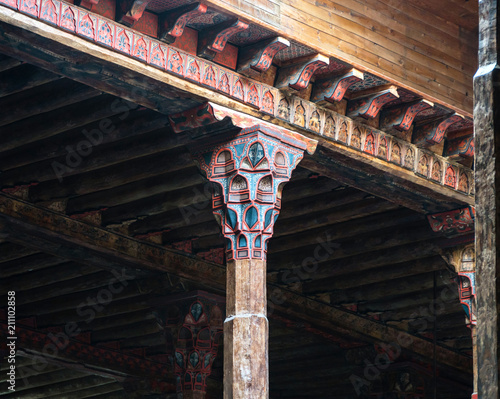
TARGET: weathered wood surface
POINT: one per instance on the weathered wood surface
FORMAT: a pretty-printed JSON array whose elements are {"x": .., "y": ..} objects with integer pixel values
[
  {"x": 487, "y": 172},
  {"x": 430, "y": 48}
]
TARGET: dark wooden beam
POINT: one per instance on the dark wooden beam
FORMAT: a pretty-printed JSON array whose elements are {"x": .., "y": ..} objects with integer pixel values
[
  {"x": 24, "y": 77},
  {"x": 173, "y": 22}
]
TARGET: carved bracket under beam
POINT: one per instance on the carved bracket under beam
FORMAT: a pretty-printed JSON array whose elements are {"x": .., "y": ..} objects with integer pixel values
[
  {"x": 214, "y": 39},
  {"x": 401, "y": 118},
  {"x": 259, "y": 57},
  {"x": 433, "y": 133},
  {"x": 298, "y": 76},
  {"x": 370, "y": 106},
  {"x": 456, "y": 222},
  {"x": 462, "y": 147},
  {"x": 88, "y": 4},
  {"x": 173, "y": 23},
  {"x": 132, "y": 11},
  {"x": 334, "y": 89}
]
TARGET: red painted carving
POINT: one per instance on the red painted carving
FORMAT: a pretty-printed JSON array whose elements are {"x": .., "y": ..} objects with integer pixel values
[
  {"x": 210, "y": 77},
  {"x": 268, "y": 102},
  {"x": 49, "y": 12},
  {"x": 334, "y": 89},
  {"x": 68, "y": 20},
  {"x": 238, "y": 91},
  {"x": 461, "y": 147},
  {"x": 174, "y": 22},
  {"x": 450, "y": 177},
  {"x": 9, "y": 3},
  {"x": 463, "y": 183},
  {"x": 86, "y": 26},
  {"x": 105, "y": 35},
  {"x": 434, "y": 132},
  {"x": 175, "y": 62},
  {"x": 141, "y": 49},
  {"x": 29, "y": 7},
  {"x": 369, "y": 107},
  {"x": 298, "y": 76},
  {"x": 214, "y": 39},
  {"x": 123, "y": 42},
  {"x": 259, "y": 57},
  {"x": 370, "y": 144},
  {"x": 224, "y": 83},
  {"x": 458, "y": 221},
  {"x": 401, "y": 118},
  {"x": 132, "y": 11},
  {"x": 253, "y": 96},
  {"x": 157, "y": 56},
  {"x": 193, "y": 70}
]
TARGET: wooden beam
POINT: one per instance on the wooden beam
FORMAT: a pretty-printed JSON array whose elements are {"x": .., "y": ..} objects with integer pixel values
[
  {"x": 63, "y": 236},
  {"x": 462, "y": 147},
  {"x": 370, "y": 106},
  {"x": 173, "y": 22},
  {"x": 401, "y": 118},
  {"x": 334, "y": 89},
  {"x": 213, "y": 40},
  {"x": 257, "y": 58},
  {"x": 131, "y": 11},
  {"x": 298, "y": 75}
]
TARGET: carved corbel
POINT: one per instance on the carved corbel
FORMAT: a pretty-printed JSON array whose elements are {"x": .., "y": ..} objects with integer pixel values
[
  {"x": 462, "y": 147},
  {"x": 214, "y": 39},
  {"x": 431, "y": 133},
  {"x": 257, "y": 58},
  {"x": 88, "y": 4},
  {"x": 132, "y": 11},
  {"x": 401, "y": 118},
  {"x": 334, "y": 89},
  {"x": 452, "y": 223},
  {"x": 173, "y": 22},
  {"x": 370, "y": 106},
  {"x": 298, "y": 76}
]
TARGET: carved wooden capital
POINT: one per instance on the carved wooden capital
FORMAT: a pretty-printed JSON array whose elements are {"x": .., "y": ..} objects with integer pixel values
[
  {"x": 334, "y": 89},
  {"x": 298, "y": 76},
  {"x": 456, "y": 222},
  {"x": 462, "y": 147},
  {"x": 173, "y": 22}
]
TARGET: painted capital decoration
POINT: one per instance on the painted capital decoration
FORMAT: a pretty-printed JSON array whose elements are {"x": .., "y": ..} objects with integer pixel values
[
  {"x": 456, "y": 222},
  {"x": 467, "y": 284},
  {"x": 249, "y": 170},
  {"x": 193, "y": 325}
]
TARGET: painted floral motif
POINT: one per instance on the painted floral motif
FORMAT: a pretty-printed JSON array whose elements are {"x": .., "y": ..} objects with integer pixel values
[
  {"x": 253, "y": 96},
  {"x": 436, "y": 171},
  {"x": 224, "y": 84},
  {"x": 49, "y": 12},
  {"x": 209, "y": 77},
  {"x": 343, "y": 133},
  {"x": 104, "y": 35},
  {"x": 409, "y": 158},
  {"x": 382, "y": 148},
  {"x": 157, "y": 56},
  {"x": 463, "y": 183},
  {"x": 396, "y": 154},
  {"x": 141, "y": 50},
  {"x": 193, "y": 71},
  {"x": 10, "y": 3},
  {"x": 423, "y": 166},
  {"x": 175, "y": 63},
  {"x": 29, "y": 7},
  {"x": 238, "y": 90},
  {"x": 86, "y": 27},
  {"x": 68, "y": 20},
  {"x": 370, "y": 144},
  {"x": 314, "y": 122},
  {"x": 356, "y": 139},
  {"x": 300, "y": 116},
  {"x": 268, "y": 102},
  {"x": 284, "y": 109},
  {"x": 123, "y": 42},
  {"x": 450, "y": 177},
  {"x": 330, "y": 127}
]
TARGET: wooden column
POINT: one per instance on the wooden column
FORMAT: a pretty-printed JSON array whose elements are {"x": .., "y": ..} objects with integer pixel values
[
  {"x": 487, "y": 172},
  {"x": 248, "y": 164}
]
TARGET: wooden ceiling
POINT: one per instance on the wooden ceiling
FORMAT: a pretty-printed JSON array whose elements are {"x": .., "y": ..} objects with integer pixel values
[{"x": 379, "y": 263}]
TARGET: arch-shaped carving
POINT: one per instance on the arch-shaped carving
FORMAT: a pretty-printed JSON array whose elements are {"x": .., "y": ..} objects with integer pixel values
[
  {"x": 329, "y": 130},
  {"x": 423, "y": 165},
  {"x": 343, "y": 133},
  {"x": 300, "y": 115},
  {"x": 396, "y": 153},
  {"x": 436, "y": 171},
  {"x": 284, "y": 109},
  {"x": 370, "y": 144},
  {"x": 450, "y": 177},
  {"x": 314, "y": 122}
]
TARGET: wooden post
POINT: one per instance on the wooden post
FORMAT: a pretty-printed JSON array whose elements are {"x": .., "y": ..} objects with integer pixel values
[
  {"x": 248, "y": 168},
  {"x": 487, "y": 173}
]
